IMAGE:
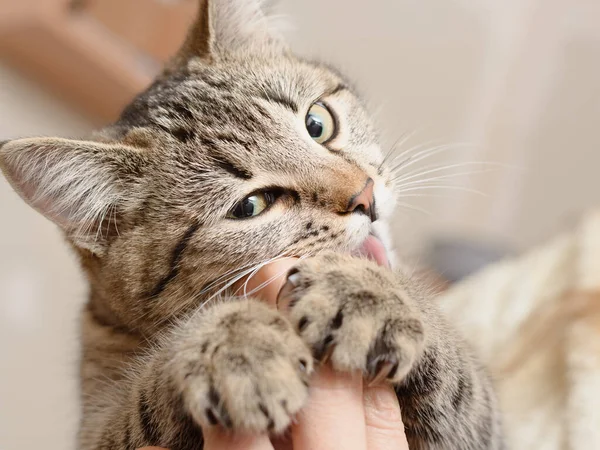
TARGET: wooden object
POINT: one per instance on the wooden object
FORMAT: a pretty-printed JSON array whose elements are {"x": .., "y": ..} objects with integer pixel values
[{"x": 95, "y": 54}]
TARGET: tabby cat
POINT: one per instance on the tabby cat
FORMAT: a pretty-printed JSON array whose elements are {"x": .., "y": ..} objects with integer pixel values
[{"x": 238, "y": 153}]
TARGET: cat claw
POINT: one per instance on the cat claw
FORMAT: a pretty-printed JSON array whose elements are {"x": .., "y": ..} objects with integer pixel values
[
  {"x": 283, "y": 300},
  {"x": 323, "y": 355},
  {"x": 384, "y": 368}
]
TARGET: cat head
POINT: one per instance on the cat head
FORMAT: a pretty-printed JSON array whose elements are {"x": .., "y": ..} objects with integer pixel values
[{"x": 238, "y": 153}]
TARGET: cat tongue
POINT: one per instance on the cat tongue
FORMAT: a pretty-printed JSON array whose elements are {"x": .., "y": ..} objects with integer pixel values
[{"x": 373, "y": 249}]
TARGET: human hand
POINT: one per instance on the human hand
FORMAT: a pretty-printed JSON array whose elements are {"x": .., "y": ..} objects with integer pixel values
[{"x": 342, "y": 412}]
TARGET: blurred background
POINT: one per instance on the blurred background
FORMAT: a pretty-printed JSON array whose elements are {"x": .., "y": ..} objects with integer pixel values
[{"x": 512, "y": 83}]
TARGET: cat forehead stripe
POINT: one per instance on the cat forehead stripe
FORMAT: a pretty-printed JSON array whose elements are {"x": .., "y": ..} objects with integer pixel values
[
  {"x": 340, "y": 87},
  {"x": 281, "y": 99},
  {"x": 231, "y": 168}
]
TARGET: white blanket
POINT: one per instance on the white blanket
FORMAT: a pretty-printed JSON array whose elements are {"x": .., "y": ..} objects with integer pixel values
[{"x": 535, "y": 320}]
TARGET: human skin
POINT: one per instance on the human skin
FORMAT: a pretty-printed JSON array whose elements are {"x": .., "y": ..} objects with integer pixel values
[{"x": 342, "y": 411}]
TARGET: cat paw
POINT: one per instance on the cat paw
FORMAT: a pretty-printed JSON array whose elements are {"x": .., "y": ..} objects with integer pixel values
[
  {"x": 245, "y": 369},
  {"x": 355, "y": 314}
]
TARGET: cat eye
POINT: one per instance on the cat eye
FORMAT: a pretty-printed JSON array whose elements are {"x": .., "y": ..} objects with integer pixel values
[
  {"x": 320, "y": 123},
  {"x": 252, "y": 205}
]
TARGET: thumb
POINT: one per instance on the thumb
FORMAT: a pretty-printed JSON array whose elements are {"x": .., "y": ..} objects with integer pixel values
[{"x": 385, "y": 430}]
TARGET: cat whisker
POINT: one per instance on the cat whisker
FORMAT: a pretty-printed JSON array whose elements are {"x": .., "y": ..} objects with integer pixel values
[
  {"x": 245, "y": 286},
  {"x": 414, "y": 208},
  {"x": 413, "y": 151},
  {"x": 252, "y": 271},
  {"x": 486, "y": 166},
  {"x": 427, "y": 153},
  {"x": 182, "y": 305},
  {"x": 226, "y": 285},
  {"x": 441, "y": 177},
  {"x": 450, "y": 187},
  {"x": 267, "y": 282},
  {"x": 440, "y": 168},
  {"x": 404, "y": 137},
  {"x": 261, "y": 265},
  {"x": 226, "y": 275},
  {"x": 416, "y": 148},
  {"x": 226, "y": 281},
  {"x": 115, "y": 219},
  {"x": 223, "y": 278},
  {"x": 258, "y": 288},
  {"x": 447, "y": 195},
  {"x": 101, "y": 220}
]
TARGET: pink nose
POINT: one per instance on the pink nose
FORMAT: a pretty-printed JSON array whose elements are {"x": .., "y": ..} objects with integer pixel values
[{"x": 364, "y": 202}]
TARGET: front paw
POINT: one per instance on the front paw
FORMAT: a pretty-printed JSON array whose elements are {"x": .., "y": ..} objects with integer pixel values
[
  {"x": 245, "y": 369},
  {"x": 354, "y": 313}
]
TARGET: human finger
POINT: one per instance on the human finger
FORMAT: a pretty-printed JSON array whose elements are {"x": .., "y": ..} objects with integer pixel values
[
  {"x": 384, "y": 427},
  {"x": 334, "y": 415},
  {"x": 267, "y": 282},
  {"x": 219, "y": 439}
]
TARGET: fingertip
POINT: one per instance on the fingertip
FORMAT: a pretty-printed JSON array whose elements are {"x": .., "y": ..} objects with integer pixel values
[
  {"x": 382, "y": 399},
  {"x": 333, "y": 416},
  {"x": 268, "y": 281},
  {"x": 216, "y": 438},
  {"x": 383, "y": 419}
]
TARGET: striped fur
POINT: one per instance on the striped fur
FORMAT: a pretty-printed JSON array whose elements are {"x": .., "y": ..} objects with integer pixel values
[{"x": 144, "y": 204}]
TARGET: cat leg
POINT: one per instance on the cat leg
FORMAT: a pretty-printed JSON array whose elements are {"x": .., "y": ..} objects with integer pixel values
[
  {"x": 365, "y": 317},
  {"x": 238, "y": 364}
]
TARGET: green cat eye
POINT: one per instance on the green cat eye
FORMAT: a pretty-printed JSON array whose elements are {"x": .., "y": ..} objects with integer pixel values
[
  {"x": 320, "y": 123},
  {"x": 252, "y": 205}
]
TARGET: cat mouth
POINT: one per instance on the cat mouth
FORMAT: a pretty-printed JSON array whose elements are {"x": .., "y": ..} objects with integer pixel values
[{"x": 372, "y": 248}]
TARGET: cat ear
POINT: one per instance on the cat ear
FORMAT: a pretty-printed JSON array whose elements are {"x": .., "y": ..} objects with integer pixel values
[
  {"x": 79, "y": 185},
  {"x": 228, "y": 26}
]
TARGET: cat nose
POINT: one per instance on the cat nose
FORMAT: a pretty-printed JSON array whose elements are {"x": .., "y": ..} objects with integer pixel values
[{"x": 364, "y": 201}]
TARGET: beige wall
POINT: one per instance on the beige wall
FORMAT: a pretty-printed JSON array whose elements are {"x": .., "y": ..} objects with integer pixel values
[
  {"x": 518, "y": 77},
  {"x": 40, "y": 293}
]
